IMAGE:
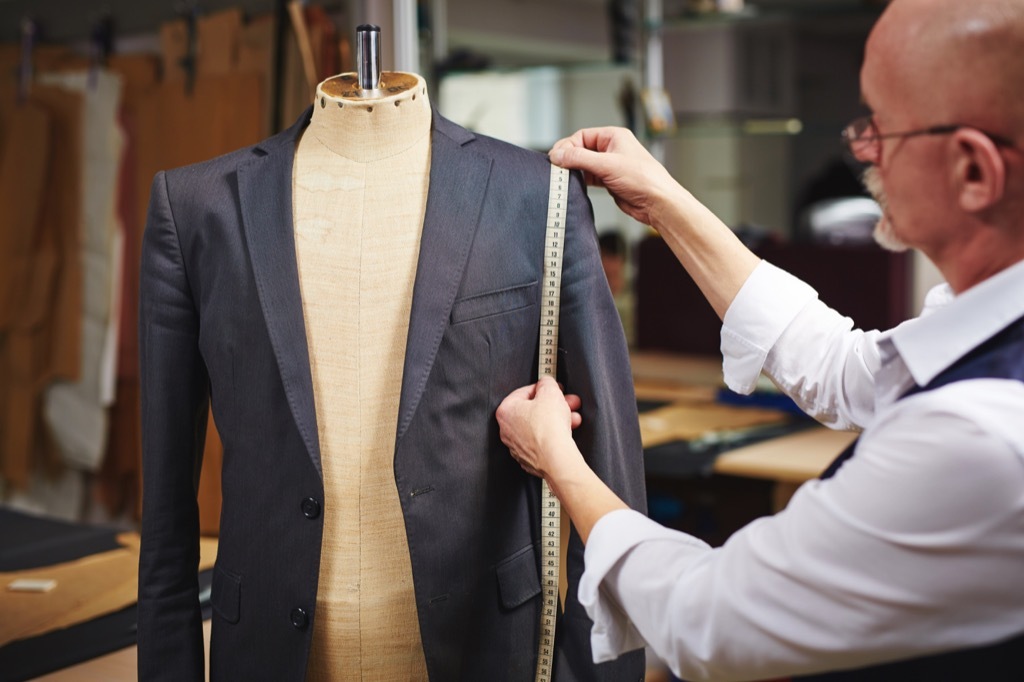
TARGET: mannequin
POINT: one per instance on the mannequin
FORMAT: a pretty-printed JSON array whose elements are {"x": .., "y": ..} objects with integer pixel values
[
  {"x": 360, "y": 183},
  {"x": 352, "y": 298}
]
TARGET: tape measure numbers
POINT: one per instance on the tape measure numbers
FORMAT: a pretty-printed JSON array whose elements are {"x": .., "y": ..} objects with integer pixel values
[{"x": 547, "y": 363}]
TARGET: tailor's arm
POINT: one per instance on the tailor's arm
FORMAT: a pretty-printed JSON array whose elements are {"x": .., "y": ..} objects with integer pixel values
[{"x": 815, "y": 356}]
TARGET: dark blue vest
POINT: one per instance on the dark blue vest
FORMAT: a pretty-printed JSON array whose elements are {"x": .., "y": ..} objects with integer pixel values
[{"x": 1001, "y": 357}]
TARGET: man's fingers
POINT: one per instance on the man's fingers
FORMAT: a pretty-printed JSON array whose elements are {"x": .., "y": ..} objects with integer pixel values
[
  {"x": 506, "y": 408},
  {"x": 599, "y": 139},
  {"x": 573, "y": 157},
  {"x": 577, "y": 139},
  {"x": 567, "y": 142},
  {"x": 523, "y": 393}
]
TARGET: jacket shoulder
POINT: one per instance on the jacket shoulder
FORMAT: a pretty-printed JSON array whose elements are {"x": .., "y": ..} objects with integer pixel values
[
  {"x": 216, "y": 164},
  {"x": 228, "y": 162},
  {"x": 490, "y": 147}
]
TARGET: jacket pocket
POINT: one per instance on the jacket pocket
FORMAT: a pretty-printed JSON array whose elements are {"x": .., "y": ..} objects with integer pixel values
[
  {"x": 518, "y": 580},
  {"x": 494, "y": 302},
  {"x": 226, "y": 594}
]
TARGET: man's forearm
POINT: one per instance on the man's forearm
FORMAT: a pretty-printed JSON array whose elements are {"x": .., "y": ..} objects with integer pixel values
[
  {"x": 583, "y": 495},
  {"x": 712, "y": 254}
]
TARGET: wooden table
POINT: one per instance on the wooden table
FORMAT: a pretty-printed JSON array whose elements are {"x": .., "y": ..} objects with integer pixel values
[
  {"x": 788, "y": 460},
  {"x": 667, "y": 376}
]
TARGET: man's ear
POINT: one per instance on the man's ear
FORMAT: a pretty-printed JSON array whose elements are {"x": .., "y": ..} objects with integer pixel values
[{"x": 979, "y": 170}]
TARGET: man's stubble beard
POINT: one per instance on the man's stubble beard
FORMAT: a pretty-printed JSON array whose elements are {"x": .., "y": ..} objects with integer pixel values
[{"x": 884, "y": 233}]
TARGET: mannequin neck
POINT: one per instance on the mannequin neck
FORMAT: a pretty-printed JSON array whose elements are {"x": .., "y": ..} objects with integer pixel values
[{"x": 370, "y": 129}]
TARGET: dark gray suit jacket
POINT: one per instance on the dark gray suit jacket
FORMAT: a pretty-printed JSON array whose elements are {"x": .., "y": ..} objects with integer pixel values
[{"x": 221, "y": 324}]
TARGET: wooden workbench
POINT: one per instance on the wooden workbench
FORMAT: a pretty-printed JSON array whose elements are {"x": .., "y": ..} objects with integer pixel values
[{"x": 787, "y": 460}]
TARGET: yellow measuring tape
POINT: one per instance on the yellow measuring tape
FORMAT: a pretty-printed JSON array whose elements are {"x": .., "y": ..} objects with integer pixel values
[{"x": 550, "y": 509}]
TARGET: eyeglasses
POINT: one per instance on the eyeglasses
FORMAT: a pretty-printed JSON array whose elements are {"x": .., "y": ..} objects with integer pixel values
[{"x": 864, "y": 142}]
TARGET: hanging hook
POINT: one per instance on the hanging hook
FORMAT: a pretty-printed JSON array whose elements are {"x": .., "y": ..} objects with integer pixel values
[
  {"x": 101, "y": 45},
  {"x": 189, "y": 11},
  {"x": 29, "y": 31}
]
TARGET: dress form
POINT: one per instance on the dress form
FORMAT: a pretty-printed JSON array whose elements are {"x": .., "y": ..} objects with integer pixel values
[{"x": 360, "y": 185}]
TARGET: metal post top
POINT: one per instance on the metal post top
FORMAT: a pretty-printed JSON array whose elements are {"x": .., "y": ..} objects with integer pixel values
[{"x": 368, "y": 58}]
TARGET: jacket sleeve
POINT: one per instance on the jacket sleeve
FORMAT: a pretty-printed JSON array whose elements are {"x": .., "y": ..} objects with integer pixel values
[
  {"x": 594, "y": 363},
  {"x": 175, "y": 401}
]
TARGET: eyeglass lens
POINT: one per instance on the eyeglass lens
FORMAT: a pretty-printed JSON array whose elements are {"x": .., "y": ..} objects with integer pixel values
[{"x": 862, "y": 139}]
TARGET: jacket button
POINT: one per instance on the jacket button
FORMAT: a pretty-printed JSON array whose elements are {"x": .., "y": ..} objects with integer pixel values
[
  {"x": 299, "y": 619},
  {"x": 310, "y": 508}
]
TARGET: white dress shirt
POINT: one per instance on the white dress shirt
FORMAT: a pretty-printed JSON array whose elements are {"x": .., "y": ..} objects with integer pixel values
[{"x": 914, "y": 547}]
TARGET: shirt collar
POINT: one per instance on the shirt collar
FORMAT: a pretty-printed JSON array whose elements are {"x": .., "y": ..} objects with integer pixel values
[{"x": 933, "y": 342}]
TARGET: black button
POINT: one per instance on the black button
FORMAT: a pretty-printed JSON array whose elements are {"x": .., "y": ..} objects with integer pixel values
[
  {"x": 299, "y": 618},
  {"x": 310, "y": 508}
]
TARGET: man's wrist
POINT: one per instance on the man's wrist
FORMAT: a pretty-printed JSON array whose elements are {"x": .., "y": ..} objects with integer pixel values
[
  {"x": 565, "y": 464},
  {"x": 670, "y": 207},
  {"x": 585, "y": 497}
]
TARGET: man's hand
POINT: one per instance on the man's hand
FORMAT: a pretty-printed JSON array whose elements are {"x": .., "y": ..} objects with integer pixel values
[
  {"x": 711, "y": 253},
  {"x": 614, "y": 159},
  {"x": 536, "y": 424}
]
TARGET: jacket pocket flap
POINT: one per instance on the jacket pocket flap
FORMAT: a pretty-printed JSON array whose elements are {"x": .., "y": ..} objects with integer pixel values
[
  {"x": 518, "y": 580},
  {"x": 226, "y": 594},
  {"x": 494, "y": 302}
]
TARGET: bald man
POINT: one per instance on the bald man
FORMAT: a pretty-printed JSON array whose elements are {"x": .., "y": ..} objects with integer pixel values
[{"x": 906, "y": 560}]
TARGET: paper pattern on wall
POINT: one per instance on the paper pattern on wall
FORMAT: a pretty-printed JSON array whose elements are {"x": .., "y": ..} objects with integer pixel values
[{"x": 76, "y": 411}]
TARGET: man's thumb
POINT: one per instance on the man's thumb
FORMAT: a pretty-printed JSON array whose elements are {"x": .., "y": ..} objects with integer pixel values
[
  {"x": 547, "y": 384},
  {"x": 571, "y": 156}
]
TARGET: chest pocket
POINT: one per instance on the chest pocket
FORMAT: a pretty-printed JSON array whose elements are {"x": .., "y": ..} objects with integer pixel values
[{"x": 494, "y": 303}]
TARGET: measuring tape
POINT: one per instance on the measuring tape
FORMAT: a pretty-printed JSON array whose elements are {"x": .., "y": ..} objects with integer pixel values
[{"x": 550, "y": 509}]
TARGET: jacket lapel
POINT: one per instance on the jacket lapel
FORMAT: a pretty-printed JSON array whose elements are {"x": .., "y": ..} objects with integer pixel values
[
  {"x": 265, "y": 194},
  {"x": 458, "y": 182}
]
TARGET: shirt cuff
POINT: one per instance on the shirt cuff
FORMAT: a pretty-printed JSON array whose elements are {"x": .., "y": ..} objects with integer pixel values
[
  {"x": 612, "y": 537},
  {"x": 765, "y": 305}
]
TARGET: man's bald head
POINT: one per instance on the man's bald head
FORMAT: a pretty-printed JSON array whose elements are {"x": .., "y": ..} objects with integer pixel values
[
  {"x": 952, "y": 61},
  {"x": 958, "y": 198}
]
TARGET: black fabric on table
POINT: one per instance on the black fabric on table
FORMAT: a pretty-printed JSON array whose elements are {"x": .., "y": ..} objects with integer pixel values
[
  {"x": 27, "y": 542},
  {"x": 686, "y": 459}
]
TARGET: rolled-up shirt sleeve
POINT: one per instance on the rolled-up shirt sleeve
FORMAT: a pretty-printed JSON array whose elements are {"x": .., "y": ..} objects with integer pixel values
[
  {"x": 765, "y": 305},
  {"x": 778, "y": 326},
  {"x": 610, "y": 540}
]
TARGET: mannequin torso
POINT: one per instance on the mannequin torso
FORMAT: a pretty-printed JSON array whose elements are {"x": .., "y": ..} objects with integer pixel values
[{"x": 359, "y": 185}]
